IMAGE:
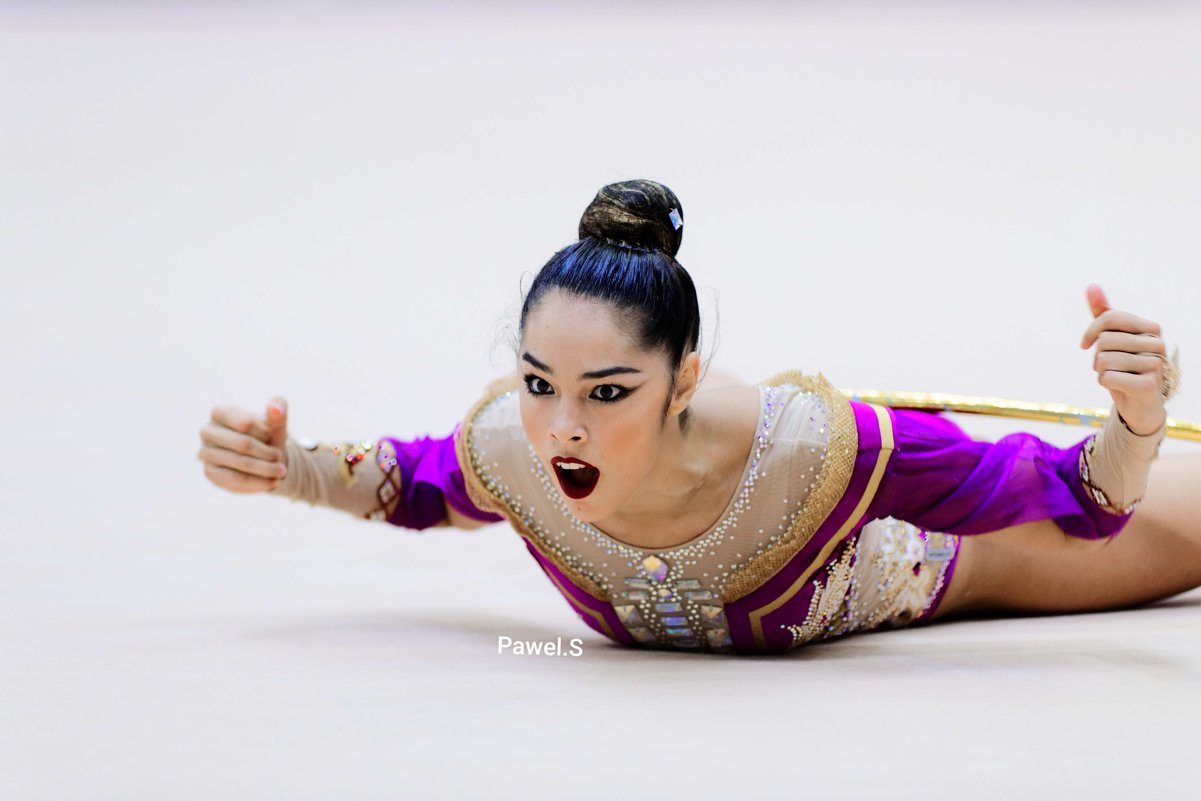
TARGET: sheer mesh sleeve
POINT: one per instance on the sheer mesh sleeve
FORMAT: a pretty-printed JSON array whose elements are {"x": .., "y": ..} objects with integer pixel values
[
  {"x": 941, "y": 479},
  {"x": 403, "y": 482}
]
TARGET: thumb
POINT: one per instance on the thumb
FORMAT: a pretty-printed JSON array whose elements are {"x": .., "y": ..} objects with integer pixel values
[
  {"x": 277, "y": 422},
  {"x": 1097, "y": 302}
]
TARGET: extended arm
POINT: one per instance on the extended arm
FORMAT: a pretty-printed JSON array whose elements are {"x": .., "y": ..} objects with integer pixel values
[
  {"x": 939, "y": 478},
  {"x": 415, "y": 484},
  {"x": 943, "y": 480}
]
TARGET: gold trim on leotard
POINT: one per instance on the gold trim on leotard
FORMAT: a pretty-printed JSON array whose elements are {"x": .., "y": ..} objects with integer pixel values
[
  {"x": 831, "y": 483},
  {"x": 583, "y": 610},
  {"x": 476, "y": 490},
  {"x": 869, "y": 493},
  {"x": 492, "y": 501}
]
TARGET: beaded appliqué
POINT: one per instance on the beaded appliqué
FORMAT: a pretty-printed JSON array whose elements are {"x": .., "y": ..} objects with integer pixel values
[
  {"x": 900, "y": 573},
  {"x": 672, "y": 610},
  {"x": 349, "y": 455},
  {"x": 496, "y": 488},
  {"x": 669, "y": 597},
  {"x": 664, "y": 602},
  {"x": 823, "y": 491},
  {"x": 826, "y": 616},
  {"x": 387, "y": 492},
  {"x": 1094, "y": 492}
]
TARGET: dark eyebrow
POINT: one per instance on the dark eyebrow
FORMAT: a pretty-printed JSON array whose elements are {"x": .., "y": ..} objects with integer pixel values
[
  {"x": 537, "y": 363},
  {"x": 608, "y": 371}
]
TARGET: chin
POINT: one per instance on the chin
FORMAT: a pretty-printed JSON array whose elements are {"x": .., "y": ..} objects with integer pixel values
[
  {"x": 582, "y": 509},
  {"x": 586, "y": 510}
]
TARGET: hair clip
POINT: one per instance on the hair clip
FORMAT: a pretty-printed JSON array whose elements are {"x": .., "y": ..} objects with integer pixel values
[{"x": 676, "y": 219}]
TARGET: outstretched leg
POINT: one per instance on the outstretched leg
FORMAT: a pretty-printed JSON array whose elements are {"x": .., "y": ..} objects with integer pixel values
[{"x": 1036, "y": 568}]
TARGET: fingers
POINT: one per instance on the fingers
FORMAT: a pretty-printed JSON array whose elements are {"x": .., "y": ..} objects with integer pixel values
[
  {"x": 1130, "y": 343},
  {"x": 242, "y": 421},
  {"x": 1129, "y": 383},
  {"x": 235, "y": 481},
  {"x": 1130, "y": 355},
  {"x": 244, "y": 464},
  {"x": 1119, "y": 321},
  {"x": 219, "y": 436},
  {"x": 1097, "y": 302},
  {"x": 1133, "y": 363},
  {"x": 237, "y": 454},
  {"x": 277, "y": 422},
  {"x": 1130, "y": 361}
]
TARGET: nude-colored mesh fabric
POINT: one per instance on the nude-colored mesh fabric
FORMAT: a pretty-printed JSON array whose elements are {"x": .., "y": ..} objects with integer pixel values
[
  {"x": 679, "y": 585},
  {"x": 1121, "y": 460},
  {"x": 361, "y": 478}
]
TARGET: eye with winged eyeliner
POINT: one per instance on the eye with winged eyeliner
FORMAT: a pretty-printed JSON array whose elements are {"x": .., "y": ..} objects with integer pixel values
[
  {"x": 540, "y": 387},
  {"x": 536, "y": 385},
  {"x": 621, "y": 393}
]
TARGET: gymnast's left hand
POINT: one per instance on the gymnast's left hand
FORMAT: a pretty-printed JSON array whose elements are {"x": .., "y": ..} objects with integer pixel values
[{"x": 1129, "y": 362}]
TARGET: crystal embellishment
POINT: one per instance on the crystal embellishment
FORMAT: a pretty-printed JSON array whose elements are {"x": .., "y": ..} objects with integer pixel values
[
  {"x": 718, "y": 638},
  {"x": 671, "y": 597},
  {"x": 628, "y": 614},
  {"x": 655, "y": 567},
  {"x": 642, "y": 634}
]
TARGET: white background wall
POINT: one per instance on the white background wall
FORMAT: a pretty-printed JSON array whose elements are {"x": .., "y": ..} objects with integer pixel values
[{"x": 338, "y": 202}]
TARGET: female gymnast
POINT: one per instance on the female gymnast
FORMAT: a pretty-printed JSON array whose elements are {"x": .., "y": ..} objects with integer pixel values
[{"x": 743, "y": 519}]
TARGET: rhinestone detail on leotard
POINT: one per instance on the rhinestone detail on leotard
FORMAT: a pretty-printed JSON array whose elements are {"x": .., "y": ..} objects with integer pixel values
[
  {"x": 667, "y": 597},
  {"x": 671, "y": 597}
]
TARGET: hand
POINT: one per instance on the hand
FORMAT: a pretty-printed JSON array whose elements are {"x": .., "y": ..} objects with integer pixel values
[
  {"x": 1129, "y": 362},
  {"x": 244, "y": 453}
]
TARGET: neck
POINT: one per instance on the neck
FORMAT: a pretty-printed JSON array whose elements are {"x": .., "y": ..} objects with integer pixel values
[{"x": 665, "y": 508}]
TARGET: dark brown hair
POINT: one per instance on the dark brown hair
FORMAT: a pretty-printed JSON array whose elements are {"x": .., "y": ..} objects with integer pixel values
[{"x": 629, "y": 237}]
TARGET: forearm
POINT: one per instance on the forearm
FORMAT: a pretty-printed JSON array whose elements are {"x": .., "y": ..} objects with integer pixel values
[
  {"x": 362, "y": 478},
  {"x": 943, "y": 480},
  {"x": 1114, "y": 467},
  {"x": 415, "y": 484}
]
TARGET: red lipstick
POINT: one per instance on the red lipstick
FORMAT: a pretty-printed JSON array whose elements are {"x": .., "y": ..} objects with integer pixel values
[{"x": 576, "y": 477}]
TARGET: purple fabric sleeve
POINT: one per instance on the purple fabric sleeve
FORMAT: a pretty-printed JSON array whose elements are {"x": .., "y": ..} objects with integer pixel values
[
  {"x": 429, "y": 477},
  {"x": 941, "y": 479}
]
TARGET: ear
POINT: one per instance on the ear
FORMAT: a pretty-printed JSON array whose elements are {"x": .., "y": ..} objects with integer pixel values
[{"x": 687, "y": 377}]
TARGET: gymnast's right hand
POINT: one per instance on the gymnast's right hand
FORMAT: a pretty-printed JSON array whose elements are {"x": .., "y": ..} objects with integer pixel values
[{"x": 245, "y": 453}]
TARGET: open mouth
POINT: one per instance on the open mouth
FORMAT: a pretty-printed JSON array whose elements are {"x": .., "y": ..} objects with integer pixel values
[{"x": 576, "y": 477}]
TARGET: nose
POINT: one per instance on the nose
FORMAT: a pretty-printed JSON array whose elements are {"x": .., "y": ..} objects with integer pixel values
[{"x": 566, "y": 426}]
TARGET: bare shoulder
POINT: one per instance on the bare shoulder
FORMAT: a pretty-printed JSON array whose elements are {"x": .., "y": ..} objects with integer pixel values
[
  {"x": 727, "y": 400},
  {"x": 728, "y": 415}
]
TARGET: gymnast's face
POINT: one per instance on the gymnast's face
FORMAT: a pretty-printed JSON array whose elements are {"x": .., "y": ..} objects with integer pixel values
[{"x": 596, "y": 407}]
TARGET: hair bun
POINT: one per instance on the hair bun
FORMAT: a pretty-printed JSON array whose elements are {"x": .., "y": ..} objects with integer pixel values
[{"x": 639, "y": 212}]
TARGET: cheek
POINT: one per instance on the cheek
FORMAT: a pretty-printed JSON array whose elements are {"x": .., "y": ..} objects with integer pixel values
[
  {"x": 632, "y": 441},
  {"x": 532, "y": 422},
  {"x": 632, "y": 437}
]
